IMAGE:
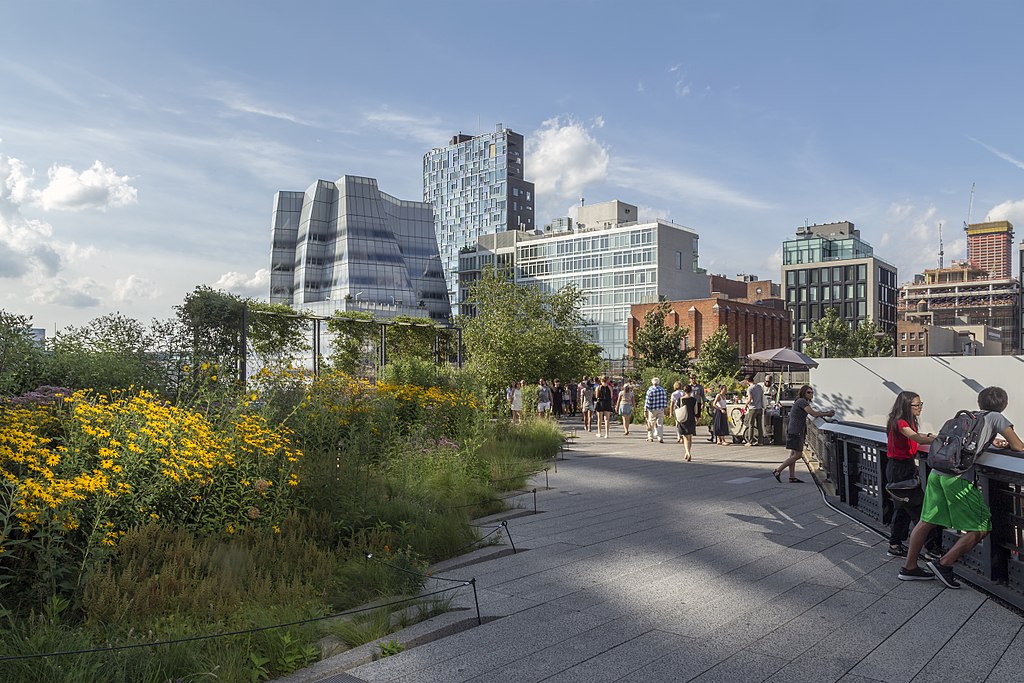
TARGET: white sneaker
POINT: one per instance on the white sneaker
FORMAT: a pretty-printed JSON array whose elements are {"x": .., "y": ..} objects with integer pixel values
[
  {"x": 661, "y": 440},
  {"x": 650, "y": 440}
]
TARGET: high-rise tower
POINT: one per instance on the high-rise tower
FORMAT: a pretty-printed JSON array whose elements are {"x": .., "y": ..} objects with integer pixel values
[
  {"x": 475, "y": 186},
  {"x": 990, "y": 247}
]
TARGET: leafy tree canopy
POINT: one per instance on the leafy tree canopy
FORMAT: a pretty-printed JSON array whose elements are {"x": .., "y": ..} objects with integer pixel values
[
  {"x": 521, "y": 332},
  {"x": 656, "y": 345},
  {"x": 20, "y": 356},
  {"x": 718, "y": 359},
  {"x": 830, "y": 337}
]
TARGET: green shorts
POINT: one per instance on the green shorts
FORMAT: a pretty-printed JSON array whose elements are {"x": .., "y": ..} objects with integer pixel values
[{"x": 955, "y": 503}]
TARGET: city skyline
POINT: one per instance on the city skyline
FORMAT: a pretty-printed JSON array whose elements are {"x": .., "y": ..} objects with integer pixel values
[{"x": 141, "y": 145}]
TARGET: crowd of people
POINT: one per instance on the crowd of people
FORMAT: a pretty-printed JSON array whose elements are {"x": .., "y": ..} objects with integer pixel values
[{"x": 949, "y": 500}]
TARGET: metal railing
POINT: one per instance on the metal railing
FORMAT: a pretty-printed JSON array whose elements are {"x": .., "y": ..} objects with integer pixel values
[{"x": 853, "y": 456}]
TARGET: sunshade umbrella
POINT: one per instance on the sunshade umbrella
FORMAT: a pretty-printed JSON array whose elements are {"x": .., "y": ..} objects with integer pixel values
[{"x": 784, "y": 356}]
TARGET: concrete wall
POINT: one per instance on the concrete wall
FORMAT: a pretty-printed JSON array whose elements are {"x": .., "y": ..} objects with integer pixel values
[{"x": 863, "y": 389}]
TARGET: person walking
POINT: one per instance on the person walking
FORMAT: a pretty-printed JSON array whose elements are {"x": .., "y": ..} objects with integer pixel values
[
  {"x": 624, "y": 406},
  {"x": 755, "y": 412},
  {"x": 574, "y": 397},
  {"x": 685, "y": 410},
  {"x": 587, "y": 402},
  {"x": 674, "y": 399},
  {"x": 556, "y": 398},
  {"x": 543, "y": 397},
  {"x": 956, "y": 502},
  {"x": 655, "y": 404},
  {"x": 796, "y": 432},
  {"x": 516, "y": 402},
  {"x": 603, "y": 405},
  {"x": 903, "y": 440},
  {"x": 720, "y": 417}
]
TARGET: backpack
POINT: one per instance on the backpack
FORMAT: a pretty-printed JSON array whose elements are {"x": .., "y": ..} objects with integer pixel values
[{"x": 958, "y": 443}]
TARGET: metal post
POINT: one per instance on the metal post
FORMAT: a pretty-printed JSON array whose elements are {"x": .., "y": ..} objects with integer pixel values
[
  {"x": 316, "y": 347},
  {"x": 458, "y": 350},
  {"x": 243, "y": 344},
  {"x": 382, "y": 353}
]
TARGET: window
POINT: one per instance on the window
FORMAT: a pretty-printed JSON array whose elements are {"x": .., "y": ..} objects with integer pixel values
[
  {"x": 679, "y": 260},
  {"x": 903, "y": 336},
  {"x": 903, "y": 348}
]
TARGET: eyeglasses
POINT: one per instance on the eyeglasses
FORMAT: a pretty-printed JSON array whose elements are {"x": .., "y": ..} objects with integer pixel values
[{"x": 917, "y": 405}]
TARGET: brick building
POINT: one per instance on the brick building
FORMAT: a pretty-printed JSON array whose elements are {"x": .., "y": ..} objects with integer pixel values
[
  {"x": 752, "y": 327},
  {"x": 990, "y": 248}
]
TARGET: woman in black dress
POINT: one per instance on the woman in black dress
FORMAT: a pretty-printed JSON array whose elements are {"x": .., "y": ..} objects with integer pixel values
[
  {"x": 688, "y": 427},
  {"x": 603, "y": 405},
  {"x": 720, "y": 421}
]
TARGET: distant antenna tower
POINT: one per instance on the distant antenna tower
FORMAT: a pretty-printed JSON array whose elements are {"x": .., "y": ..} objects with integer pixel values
[
  {"x": 970, "y": 208},
  {"x": 940, "y": 246}
]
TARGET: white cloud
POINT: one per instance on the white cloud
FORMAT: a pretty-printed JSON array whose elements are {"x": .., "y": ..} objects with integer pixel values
[
  {"x": 563, "y": 158},
  {"x": 913, "y": 233},
  {"x": 1012, "y": 211},
  {"x": 598, "y": 122},
  {"x": 648, "y": 214},
  {"x": 97, "y": 187},
  {"x": 134, "y": 288},
  {"x": 257, "y": 285},
  {"x": 677, "y": 186},
  {"x": 639, "y": 86},
  {"x": 429, "y": 130},
  {"x": 81, "y": 293}
]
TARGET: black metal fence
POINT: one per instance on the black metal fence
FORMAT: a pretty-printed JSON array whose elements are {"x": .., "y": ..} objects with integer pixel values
[{"x": 853, "y": 457}]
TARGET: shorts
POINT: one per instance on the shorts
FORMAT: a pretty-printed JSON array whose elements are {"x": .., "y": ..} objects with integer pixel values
[
  {"x": 625, "y": 410},
  {"x": 955, "y": 503},
  {"x": 543, "y": 406},
  {"x": 795, "y": 442}
]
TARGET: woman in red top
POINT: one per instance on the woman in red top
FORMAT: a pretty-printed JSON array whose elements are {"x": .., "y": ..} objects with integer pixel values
[{"x": 903, "y": 440}]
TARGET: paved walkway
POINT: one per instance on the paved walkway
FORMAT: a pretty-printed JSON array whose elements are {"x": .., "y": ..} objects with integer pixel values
[{"x": 645, "y": 568}]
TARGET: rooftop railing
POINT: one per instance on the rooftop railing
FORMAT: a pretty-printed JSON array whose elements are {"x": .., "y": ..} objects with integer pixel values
[{"x": 853, "y": 456}]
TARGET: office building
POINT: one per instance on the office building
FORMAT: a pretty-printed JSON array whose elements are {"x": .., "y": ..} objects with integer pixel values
[
  {"x": 476, "y": 187},
  {"x": 964, "y": 294},
  {"x": 345, "y": 245},
  {"x": 915, "y": 338},
  {"x": 830, "y": 266},
  {"x": 990, "y": 248},
  {"x": 615, "y": 263}
]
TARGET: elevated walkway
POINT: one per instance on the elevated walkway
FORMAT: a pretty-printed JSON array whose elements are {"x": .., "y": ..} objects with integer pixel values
[{"x": 643, "y": 568}]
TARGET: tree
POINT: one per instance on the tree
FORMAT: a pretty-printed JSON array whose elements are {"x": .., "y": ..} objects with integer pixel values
[
  {"x": 20, "y": 356},
  {"x": 719, "y": 358},
  {"x": 831, "y": 337},
  {"x": 521, "y": 332},
  {"x": 351, "y": 333},
  {"x": 109, "y": 352},
  {"x": 869, "y": 339},
  {"x": 655, "y": 345}
]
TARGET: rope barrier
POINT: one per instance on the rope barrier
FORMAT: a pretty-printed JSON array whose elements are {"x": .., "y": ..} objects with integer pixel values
[
  {"x": 227, "y": 634},
  {"x": 463, "y": 582}
]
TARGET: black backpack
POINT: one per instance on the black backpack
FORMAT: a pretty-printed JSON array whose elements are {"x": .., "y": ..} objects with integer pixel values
[{"x": 958, "y": 443}]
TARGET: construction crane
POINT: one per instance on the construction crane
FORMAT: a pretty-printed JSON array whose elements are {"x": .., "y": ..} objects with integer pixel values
[{"x": 940, "y": 246}]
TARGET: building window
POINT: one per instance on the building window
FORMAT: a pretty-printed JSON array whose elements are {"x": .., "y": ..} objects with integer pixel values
[
  {"x": 903, "y": 348},
  {"x": 679, "y": 260}
]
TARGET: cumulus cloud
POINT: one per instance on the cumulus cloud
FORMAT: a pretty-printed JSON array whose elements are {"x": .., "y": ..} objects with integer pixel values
[
  {"x": 97, "y": 187},
  {"x": 914, "y": 231},
  {"x": 562, "y": 158},
  {"x": 1012, "y": 211},
  {"x": 25, "y": 244},
  {"x": 134, "y": 288},
  {"x": 257, "y": 285},
  {"x": 81, "y": 293}
]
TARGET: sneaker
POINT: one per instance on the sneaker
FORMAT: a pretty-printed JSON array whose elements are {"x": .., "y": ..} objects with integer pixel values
[
  {"x": 915, "y": 574},
  {"x": 931, "y": 554},
  {"x": 943, "y": 574},
  {"x": 897, "y": 550},
  {"x": 650, "y": 440},
  {"x": 661, "y": 440}
]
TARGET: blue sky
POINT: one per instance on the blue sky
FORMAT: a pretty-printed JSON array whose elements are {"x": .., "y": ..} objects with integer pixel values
[{"x": 141, "y": 143}]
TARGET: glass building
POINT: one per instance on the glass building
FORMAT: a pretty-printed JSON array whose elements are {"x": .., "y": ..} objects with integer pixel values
[
  {"x": 615, "y": 264},
  {"x": 475, "y": 186},
  {"x": 345, "y": 245},
  {"x": 829, "y": 266}
]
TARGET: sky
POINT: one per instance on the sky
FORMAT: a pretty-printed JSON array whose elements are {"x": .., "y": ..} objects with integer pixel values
[{"x": 141, "y": 143}]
